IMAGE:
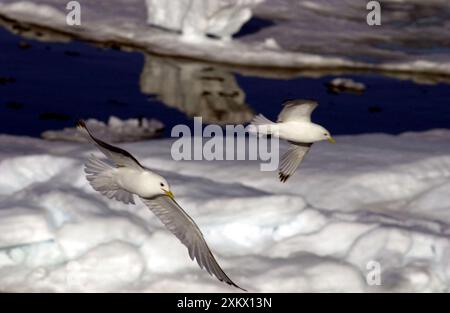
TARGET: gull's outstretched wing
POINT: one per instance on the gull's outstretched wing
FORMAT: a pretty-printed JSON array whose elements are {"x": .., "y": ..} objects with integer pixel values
[
  {"x": 292, "y": 159},
  {"x": 185, "y": 229},
  {"x": 119, "y": 156},
  {"x": 297, "y": 110}
]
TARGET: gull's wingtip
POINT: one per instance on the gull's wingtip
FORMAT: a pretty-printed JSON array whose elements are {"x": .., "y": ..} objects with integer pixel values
[
  {"x": 81, "y": 124},
  {"x": 283, "y": 177},
  {"x": 240, "y": 288},
  {"x": 82, "y": 128},
  {"x": 231, "y": 283}
]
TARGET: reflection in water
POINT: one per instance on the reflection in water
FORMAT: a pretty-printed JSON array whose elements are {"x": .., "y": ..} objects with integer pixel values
[{"x": 196, "y": 89}]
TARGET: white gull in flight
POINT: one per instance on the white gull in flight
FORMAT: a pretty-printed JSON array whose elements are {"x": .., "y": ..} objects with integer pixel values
[{"x": 122, "y": 178}]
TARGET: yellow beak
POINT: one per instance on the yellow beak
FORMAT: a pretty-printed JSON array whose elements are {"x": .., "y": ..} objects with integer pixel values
[
  {"x": 331, "y": 139},
  {"x": 169, "y": 194}
]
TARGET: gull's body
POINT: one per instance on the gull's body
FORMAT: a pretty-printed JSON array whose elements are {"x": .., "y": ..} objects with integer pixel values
[
  {"x": 136, "y": 182},
  {"x": 126, "y": 178},
  {"x": 293, "y": 125},
  {"x": 297, "y": 131}
]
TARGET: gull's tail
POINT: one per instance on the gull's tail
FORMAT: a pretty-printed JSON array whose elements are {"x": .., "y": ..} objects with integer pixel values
[
  {"x": 262, "y": 125},
  {"x": 100, "y": 176}
]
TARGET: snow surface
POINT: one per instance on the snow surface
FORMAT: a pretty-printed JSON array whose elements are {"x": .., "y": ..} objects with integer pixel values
[
  {"x": 368, "y": 198},
  {"x": 315, "y": 35}
]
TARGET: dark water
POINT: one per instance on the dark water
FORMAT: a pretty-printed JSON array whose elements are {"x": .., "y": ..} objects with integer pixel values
[{"x": 51, "y": 85}]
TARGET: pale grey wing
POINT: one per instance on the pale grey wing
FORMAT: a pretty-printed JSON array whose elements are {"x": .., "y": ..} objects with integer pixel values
[
  {"x": 297, "y": 110},
  {"x": 292, "y": 159},
  {"x": 119, "y": 156},
  {"x": 184, "y": 228}
]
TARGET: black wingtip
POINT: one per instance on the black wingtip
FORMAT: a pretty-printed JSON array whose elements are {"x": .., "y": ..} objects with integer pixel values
[
  {"x": 81, "y": 124},
  {"x": 283, "y": 177},
  {"x": 234, "y": 285},
  {"x": 245, "y": 290}
]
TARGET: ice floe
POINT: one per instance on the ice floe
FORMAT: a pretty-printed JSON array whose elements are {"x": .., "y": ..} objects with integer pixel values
[
  {"x": 340, "y": 84},
  {"x": 304, "y": 34},
  {"x": 115, "y": 130},
  {"x": 369, "y": 198},
  {"x": 197, "y": 18}
]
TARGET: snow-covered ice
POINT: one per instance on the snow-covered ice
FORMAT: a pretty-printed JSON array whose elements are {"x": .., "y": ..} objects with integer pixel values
[
  {"x": 319, "y": 34},
  {"x": 115, "y": 130},
  {"x": 198, "y": 18},
  {"x": 368, "y": 198},
  {"x": 341, "y": 84}
]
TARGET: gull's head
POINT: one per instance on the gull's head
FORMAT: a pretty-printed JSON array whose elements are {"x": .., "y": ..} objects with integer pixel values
[
  {"x": 322, "y": 134},
  {"x": 165, "y": 188},
  {"x": 327, "y": 136}
]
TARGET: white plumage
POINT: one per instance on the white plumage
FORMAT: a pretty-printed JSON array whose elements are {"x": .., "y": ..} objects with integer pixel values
[
  {"x": 122, "y": 177},
  {"x": 294, "y": 125}
]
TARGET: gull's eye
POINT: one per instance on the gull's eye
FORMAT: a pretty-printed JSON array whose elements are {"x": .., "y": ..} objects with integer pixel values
[
  {"x": 325, "y": 134},
  {"x": 162, "y": 185}
]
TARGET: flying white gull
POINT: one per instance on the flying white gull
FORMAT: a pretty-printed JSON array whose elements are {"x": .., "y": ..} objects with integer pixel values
[
  {"x": 294, "y": 125},
  {"x": 123, "y": 177}
]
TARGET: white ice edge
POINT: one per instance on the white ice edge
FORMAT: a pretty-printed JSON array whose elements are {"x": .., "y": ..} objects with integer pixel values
[{"x": 129, "y": 30}]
